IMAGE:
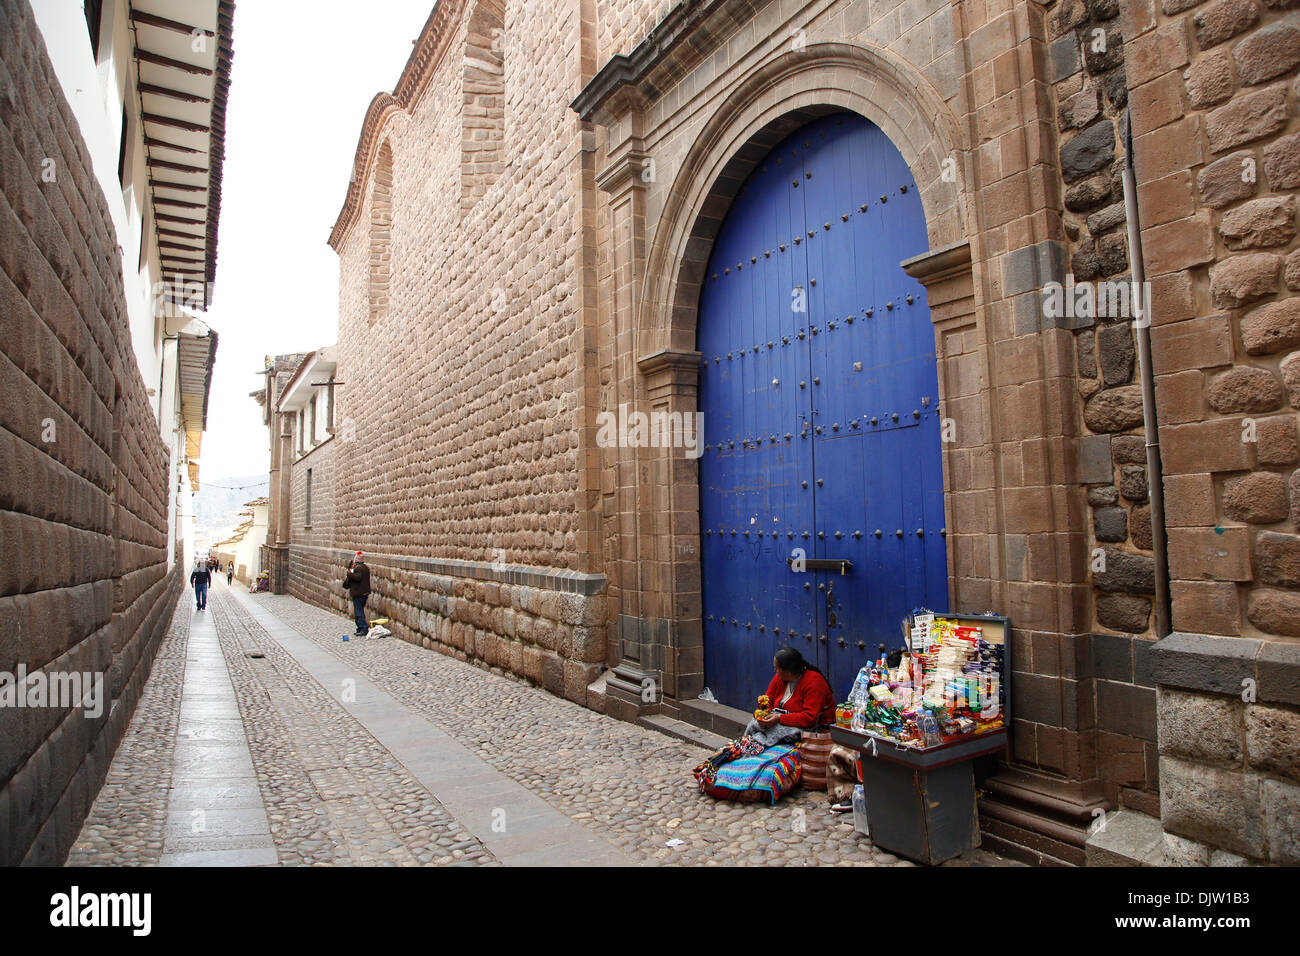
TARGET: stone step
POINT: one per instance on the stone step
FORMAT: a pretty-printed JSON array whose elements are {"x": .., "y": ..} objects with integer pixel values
[
  {"x": 684, "y": 731},
  {"x": 1128, "y": 838},
  {"x": 719, "y": 718}
]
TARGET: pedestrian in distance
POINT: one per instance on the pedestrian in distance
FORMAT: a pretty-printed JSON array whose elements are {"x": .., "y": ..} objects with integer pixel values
[
  {"x": 200, "y": 579},
  {"x": 357, "y": 584},
  {"x": 230, "y": 572}
]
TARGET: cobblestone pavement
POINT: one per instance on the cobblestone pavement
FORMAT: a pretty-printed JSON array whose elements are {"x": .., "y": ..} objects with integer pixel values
[
  {"x": 334, "y": 794},
  {"x": 630, "y": 784},
  {"x": 125, "y": 825}
]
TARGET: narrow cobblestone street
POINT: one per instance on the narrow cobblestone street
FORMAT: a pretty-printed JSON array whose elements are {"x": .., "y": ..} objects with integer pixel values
[{"x": 264, "y": 738}]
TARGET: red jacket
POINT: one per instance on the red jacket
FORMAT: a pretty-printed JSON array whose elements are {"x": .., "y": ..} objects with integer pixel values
[{"x": 812, "y": 702}]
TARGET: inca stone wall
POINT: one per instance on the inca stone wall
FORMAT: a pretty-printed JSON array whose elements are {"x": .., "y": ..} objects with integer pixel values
[
  {"x": 464, "y": 441},
  {"x": 504, "y": 282},
  {"x": 1087, "y": 57},
  {"x": 1217, "y": 149},
  {"x": 83, "y": 472}
]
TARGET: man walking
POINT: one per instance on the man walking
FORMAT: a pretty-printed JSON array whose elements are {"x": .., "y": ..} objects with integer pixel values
[
  {"x": 358, "y": 585},
  {"x": 200, "y": 578}
]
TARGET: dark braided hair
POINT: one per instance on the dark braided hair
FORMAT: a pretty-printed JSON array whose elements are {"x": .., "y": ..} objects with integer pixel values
[{"x": 789, "y": 659}]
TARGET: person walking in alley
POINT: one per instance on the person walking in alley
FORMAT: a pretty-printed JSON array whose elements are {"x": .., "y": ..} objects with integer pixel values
[
  {"x": 230, "y": 572},
  {"x": 357, "y": 583},
  {"x": 200, "y": 579}
]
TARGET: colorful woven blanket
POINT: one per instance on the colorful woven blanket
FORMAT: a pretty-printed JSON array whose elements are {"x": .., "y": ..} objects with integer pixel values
[{"x": 775, "y": 771}]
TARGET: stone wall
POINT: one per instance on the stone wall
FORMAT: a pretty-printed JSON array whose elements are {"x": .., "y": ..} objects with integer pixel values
[
  {"x": 543, "y": 626},
  {"x": 1088, "y": 62},
  {"x": 1217, "y": 150},
  {"x": 83, "y": 472},
  {"x": 461, "y": 412},
  {"x": 310, "y": 579}
]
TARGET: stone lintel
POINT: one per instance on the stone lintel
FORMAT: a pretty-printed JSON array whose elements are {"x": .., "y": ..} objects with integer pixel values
[
  {"x": 676, "y": 370},
  {"x": 625, "y": 168},
  {"x": 946, "y": 262},
  {"x": 1222, "y": 665}
]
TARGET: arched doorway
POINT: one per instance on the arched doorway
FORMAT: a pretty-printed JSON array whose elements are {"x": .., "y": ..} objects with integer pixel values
[{"x": 819, "y": 391}]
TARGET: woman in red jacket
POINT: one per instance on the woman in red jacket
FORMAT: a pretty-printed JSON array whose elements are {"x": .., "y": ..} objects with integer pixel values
[{"x": 801, "y": 700}]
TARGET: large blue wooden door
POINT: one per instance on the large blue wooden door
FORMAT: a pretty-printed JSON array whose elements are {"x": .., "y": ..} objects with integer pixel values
[{"x": 821, "y": 424}]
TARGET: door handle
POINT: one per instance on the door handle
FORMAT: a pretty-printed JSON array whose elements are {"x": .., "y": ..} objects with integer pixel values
[{"x": 842, "y": 565}]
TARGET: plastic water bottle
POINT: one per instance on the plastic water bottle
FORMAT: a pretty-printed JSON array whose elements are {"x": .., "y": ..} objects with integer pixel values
[{"x": 860, "y": 810}]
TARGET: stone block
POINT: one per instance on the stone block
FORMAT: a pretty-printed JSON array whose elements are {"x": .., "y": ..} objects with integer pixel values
[
  {"x": 1277, "y": 559},
  {"x": 1275, "y": 612},
  {"x": 1246, "y": 389},
  {"x": 1272, "y": 327},
  {"x": 1126, "y": 573},
  {"x": 1114, "y": 409},
  {"x": 1209, "y": 80},
  {"x": 1116, "y": 353},
  {"x": 1110, "y": 524},
  {"x": 1089, "y": 151},
  {"x": 1281, "y": 812},
  {"x": 1203, "y": 662},
  {"x": 1241, "y": 279},
  {"x": 1180, "y": 851},
  {"x": 1133, "y": 483},
  {"x": 553, "y": 673},
  {"x": 1271, "y": 735},
  {"x": 1126, "y": 709},
  {"x": 1268, "y": 221},
  {"x": 1229, "y": 179},
  {"x": 1244, "y": 119},
  {"x": 1212, "y": 805},
  {"x": 1278, "y": 667},
  {"x": 1282, "y": 162},
  {"x": 1268, "y": 52},
  {"x": 1277, "y": 441},
  {"x": 1201, "y": 728},
  {"x": 1224, "y": 20},
  {"x": 1213, "y": 554},
  {"x": 1094, "y": 459},
  {"x": 1259, "y": 497},
  {"x": 1128, "y": 613}
]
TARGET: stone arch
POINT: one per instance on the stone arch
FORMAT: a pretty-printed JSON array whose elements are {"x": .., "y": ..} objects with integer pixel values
[
  {"x": 381, "y": 233},
  {"x": 483, "y": 106},
  {"x": 775, "y": 98}
]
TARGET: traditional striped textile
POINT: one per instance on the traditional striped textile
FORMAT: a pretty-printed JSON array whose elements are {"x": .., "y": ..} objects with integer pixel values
[
  {"x": 774, "y": 772},
  {"x": 814, "y": 754}
]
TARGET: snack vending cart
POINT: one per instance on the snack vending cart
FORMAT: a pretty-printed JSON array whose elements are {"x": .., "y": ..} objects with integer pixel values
[{"x": 918, "y": 727}]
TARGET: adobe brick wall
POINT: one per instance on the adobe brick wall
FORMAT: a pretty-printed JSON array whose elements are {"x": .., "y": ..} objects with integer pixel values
[
  {"x": 83, "y": 515},
  {"x": 1216, "y": 124}
]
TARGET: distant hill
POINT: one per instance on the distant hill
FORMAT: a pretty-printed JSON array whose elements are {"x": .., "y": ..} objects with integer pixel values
[{"x": 218, "y": 504}]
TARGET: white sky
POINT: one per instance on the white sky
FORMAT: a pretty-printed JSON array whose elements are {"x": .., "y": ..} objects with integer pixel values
[{"x": 303, "y": 73}]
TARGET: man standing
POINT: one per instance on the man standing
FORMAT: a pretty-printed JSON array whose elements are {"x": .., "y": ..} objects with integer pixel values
[
  {"x": 200, "y": 578},
  {"x": 358, "y": 585}
]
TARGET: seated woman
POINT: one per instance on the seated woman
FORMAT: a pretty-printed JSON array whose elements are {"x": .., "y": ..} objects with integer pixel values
[{"x": 801, "y": 699}]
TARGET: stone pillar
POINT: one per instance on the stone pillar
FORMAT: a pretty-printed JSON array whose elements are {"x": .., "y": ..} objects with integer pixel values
[
  {"x": 1014, "y": 541},
  {"x": 636, "y": 685}
]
